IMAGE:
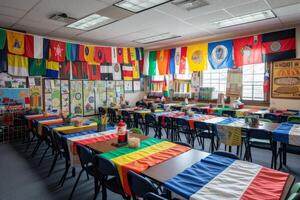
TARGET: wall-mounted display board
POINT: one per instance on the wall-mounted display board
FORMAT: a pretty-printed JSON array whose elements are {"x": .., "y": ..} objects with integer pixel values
[
  {"x": 35, "y": 90},
  {"x": 65, "y": 96},
  {"x": 7, "y": 81},
  {"x": 76, "y": 97},
  {"x": 234, "y": 82},
  {"x": 136, "y": 86},
  {"x": 128, "y": 86},
  {"x": 17, "y": 96},
  {"x": 88, "y": 98},
  {"x": 100, "y": 90},
  {"x": 119, "y": 90},
  {"x": 286, "y": 79},
  {"x": 111, "y": 92},
  {"x": 52, "y": 95}
]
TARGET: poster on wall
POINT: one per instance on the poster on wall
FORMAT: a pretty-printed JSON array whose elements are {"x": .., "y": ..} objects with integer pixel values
[
  {"x": 234, "y": 82},
  {"x": 7, "y": 81},
  {"x": 100, "y": 91},
  {"x": 128, "y": 86},
  {"x": 76, "y": 97},
  {"x": 65, "y": 99},
  {"x": 136, "y": 86},
  {"x": 111, "y": 92},
  {"x": 55, "y": 95},
  {"x": 88, "y": 98},
  {"x": 35, "y": 89},
  {"x": 286, "y": 79},
  {"x": 16, "y": 96},
  {"x": 119, "y": 90}
]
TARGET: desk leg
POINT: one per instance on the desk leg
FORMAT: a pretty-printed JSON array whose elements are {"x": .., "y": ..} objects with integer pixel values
[
  {"x": 275, "y": 154},
  {"x": 284, "y": 154},
  {"x": 169, "y": 194}
]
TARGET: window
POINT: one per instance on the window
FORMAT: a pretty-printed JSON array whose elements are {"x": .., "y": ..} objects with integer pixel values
[
  {"x": 216, "y": 79},
  {"x": 253, "y": 82}
]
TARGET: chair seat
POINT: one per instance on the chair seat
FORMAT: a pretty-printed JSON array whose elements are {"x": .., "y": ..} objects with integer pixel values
[
  {"x": 112, "y": 185},
  {"x": 293, "y": 149},
  {"x": 260, "y": 143},
  {"x": 204, "y": 134},
  {"x": 90, "y": 170}
]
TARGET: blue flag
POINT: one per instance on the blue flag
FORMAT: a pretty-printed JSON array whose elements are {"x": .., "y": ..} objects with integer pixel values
[
  {"x": 45, "y": 48},
  {"x": 74, "y": 52},
  {"x": 220, "y": 54},
  {"x": 172, "y": 61}
]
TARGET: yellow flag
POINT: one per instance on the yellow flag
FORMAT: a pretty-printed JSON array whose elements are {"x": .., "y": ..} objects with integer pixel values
[
  {"x": 132, "y": 54},
  {"x": 197, "y": 57},
  {"x": 126, "y": 54},
  {"x": 15, "y": 42},
  {"x": 135, "y": 70},
  {"x": 89, "y": 54}
]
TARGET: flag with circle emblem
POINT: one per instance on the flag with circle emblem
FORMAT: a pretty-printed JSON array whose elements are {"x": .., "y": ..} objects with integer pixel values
[
  {"x": 57, "y": 51},
  {"x": 220, "y": 54},
  {"x": 197, "y": 57},
  {"x": 163, "y": 60},
  {"x": 15, "y": 42}
]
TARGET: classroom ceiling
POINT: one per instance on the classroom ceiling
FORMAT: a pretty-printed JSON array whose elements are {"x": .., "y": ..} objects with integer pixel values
[{"x": 32, "y": 16}]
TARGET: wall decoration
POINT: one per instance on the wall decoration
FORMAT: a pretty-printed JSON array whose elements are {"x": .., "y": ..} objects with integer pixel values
[
  {"x": 136, "y": 86},
  {"x": 76, "y": 97},
  {"x": 286, "y": 79},
  {"x": 128, "y": 86},
  {"x": 65, "y": 98},
  {"x": 88, "y": 98},
  {"x": 35, "y": 92},
  {"x": 111, "y": 92},
  {"x": 7, "y": 81},
  {"x": 100, "y": 87},
  {"x": 119, "y": 90},
  {"x": 18, "y": 96},
  {"x": 55, "y": 95},
  {"x": 234, "y": 82}
]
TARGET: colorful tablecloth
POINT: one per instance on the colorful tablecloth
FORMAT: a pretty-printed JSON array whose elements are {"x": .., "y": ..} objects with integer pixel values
[
  {"x": 71, "y": 127},
  {"x": 243, "y": 112},
  {"x": 197, "y": 117},
  {"x": 230, "y": 131},
  {"x": 151, "y": 152},
  {"x": 147, "y": 111},
  {"x": 48, "y": 122},
  {"x": 38, "y": 116},
  {"x": 85, "y": 138},
  {"x": 217, "y": 177},
  {"x": 287, "y": 133}
]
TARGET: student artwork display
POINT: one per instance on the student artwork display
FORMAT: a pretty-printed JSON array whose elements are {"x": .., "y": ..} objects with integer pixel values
[
  {"x": 76, "y": 97},
  {"x": 65, "y": 96},
  {"x": 88, "y": 98},
  {"x": 52, "y": 99},
  {"x": 119, "y": 90},
  {"x": 111, "y": 92},
  {"x": 234, "y": 82},
  {"x": 128, "y": 86},
  {"x": 35, "y": 87},
  {"x": 100, "y": 92},
  {"x": 136, "y": 86},
  {"x": 16, "y": 96},
  {"x": 286, "y": 79},
  {"x": 7, "y": 81}
]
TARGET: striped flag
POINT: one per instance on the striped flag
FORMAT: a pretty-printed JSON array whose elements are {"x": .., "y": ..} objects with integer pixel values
[
  {"x": 127, "y": 72},
  {"x": 52, "y": 69},
  {"x": 146, "y": 64},
  {"x": 17, "y": 65},
  {"x": 287, "y": 133}
]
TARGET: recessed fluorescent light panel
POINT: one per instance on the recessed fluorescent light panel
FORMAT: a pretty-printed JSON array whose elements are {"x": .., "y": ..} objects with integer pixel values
[
  {"x": 90, "y": 22},
  {"x": 156, "y": 38},
  {"x": 190, "y": 4},
  {"x": 139, "y": 5},
  {"x": 254, "y": 17}
]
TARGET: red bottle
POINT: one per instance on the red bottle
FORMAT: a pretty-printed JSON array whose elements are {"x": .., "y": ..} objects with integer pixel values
[{"x": 122, "y": 133}]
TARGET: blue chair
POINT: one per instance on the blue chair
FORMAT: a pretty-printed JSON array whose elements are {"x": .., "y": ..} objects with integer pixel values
[
  {"x": 203, "y": 132},
  {"x": 108, "y": 176},
  {"x": 226, "y": 154},
  {"x": 182, "y": 127},
  {"x": 166, "y": 125},
  {"x": 86, "y": 161},
  {"x": 139, "y": 121},
  {"x": 150, "y": 122},
  {"x": 139, "y": 185},
  {"x": 127, "y": 118},
  {"x": 274, "y": 118},
  {"x": 153, "y": 196}
]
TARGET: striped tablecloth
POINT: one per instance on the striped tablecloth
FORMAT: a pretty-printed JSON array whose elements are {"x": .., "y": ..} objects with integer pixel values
[
  {"x": 151, "y": 152},
  {"x": 71, "y": 127},
  {"x": 38, "y": 116},
  {"x": 287, "y": 133},
  {"x": 48, "y": 122},
  {"x": 217, "y": 177}
]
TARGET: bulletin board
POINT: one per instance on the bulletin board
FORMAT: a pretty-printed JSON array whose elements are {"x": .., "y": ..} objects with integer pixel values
[
  {"x": 88, "y": 98},
  {"x": 100, "y": 94},
  {"x": 285, "y": 79},
  {"x": 65, "y": 96},
  {"x": 76, "y": 97},
  {"x": 52, "y": 95},
  {"x": 35, "y": 90}
]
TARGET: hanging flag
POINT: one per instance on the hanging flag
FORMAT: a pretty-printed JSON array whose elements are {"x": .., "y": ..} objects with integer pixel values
[
  {"x": 120, "y": 55},
  {"x": 117, "y": 75},
  {"x": 81, "y": 53},
  {"x": 126, "y": 56},
  {"x": 77, "y": 70},
  {"x": 182, "y": 60},
  {"x": 57, "y": 51},
  {"x": 94, "y": 72},
  {"x": 108, "y": 55},
  {"x": 140, "y": 58},
  {"x": 106, "y": 72},
  {"x": 127, "y": 72},
  {"x": 146, "y": 64},
  {"x": 3, "y": 60},
  {"x": 247, "y": 50},
  {"x": 38, "y": 43},
  {"x": 45, "y": 48},
  {"x": 177, "y": 60},
  {"x": 99, "y": 55},
  {"x": 197, "y": 57},
  {"x": 65, "y": 70},
  {"x": 152, "y": 63},
  {"x": 37, "y": 67},
  {"x": 114, "y": 55},
  {"x": 135, "y": 70},
  {"x": 172, "y": 61},
  {"x": 279, "y": 45},
  {"x": 29, "y": 46},
  {"x": 15, "y": 42},
  {"x": 166, "y": 87},
  {"x": 17, "y": 65},
  {"x": 267, "y": 81},
  {"x": 220, "y": 54},
  {"x": 89, "y": 54},
  {"x": 132, "y": 53},
  {"x": 163, "y": 59},
  {"x": 85, "y": 71},
  {"x": 2, "y": 38},
  {"x": 52, "y": 69},
  {"x": 71, "y": 51}
]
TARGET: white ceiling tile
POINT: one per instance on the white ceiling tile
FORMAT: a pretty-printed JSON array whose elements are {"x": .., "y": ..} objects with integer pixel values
[
  {"x": 280, "y": 3},
  {"x": 209, "y": 18},
  {"x": 29, "y": 29},
  {"x": 287, "y": 10},
  {"x": 248, "y": 8},
  {"x": 43, "y": 25},
  {"x": 7, "y": 21},
  {"x": 65, "y": 32},
  {"x": 17, "y": 4},
  {"x": 13, "y": 12}
]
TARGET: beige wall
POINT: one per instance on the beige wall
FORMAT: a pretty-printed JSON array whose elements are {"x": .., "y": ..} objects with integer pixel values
[
  {"x": 288, "y": 103},
  {"x": 132, "y": 98}
]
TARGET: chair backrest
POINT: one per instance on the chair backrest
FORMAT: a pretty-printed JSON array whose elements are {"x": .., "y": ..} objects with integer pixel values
[
  {"x": 228, "y": 113},
  {"x": 112, "y": 114},
  {"x": 62, "y": 142},
  {"x": 138, "y": 118},
  {"x": 183, "y": 144},
  {"x": 102, "y": 111},
  {"x": 181, "y": 123},
  {"x": 294, "y": 119},
  {"x": 85, "y": 156},
  {"x": 259, "y": 134},
  {"x": 201, "y": 126},
  {"x": 226, "y": 154},
  {"x": 139, "y": 185},
  {"x": 274, "y": 118},
  {"x": 153, "y": 196},
  {"x": 150, "y": 119},
  {"x": 106, "y": 167},
  {"x": 196, "y": 110}
]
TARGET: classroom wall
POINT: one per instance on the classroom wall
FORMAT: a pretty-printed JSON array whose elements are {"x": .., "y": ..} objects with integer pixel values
[
  {"x": 132, "y": 98},
  {"x": 289, "y": 103}
]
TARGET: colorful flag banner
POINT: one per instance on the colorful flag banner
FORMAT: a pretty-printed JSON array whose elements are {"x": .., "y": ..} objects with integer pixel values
[
  {"x": 247, "y": 50},
  {"x": 2, "y": 38},
  {"x": 163, "y": 60},
  {"x": 197, "y": 57},
  {"x": 57, "y": 51},
  {"x": 37, "y": 67},
  {"x": 77, "y": 70},
  {"x": 89, "y": 53},
  {"x": 15, "y": 42},
  {"x": 152, "y": 63},
  {"x": 52, "y": 69},
  {"x": 94, "y": 72},
  {"x": 279, "y": 45},
  {"x": 146, "y": 64},
  {"x": 65, "y": 70},
  {"x": 106, "y": 72},
  {"x": 182, "y": 60},
  {"x": 172, "y": 61},
  {"x": 45, "y": 48},
  {"x": 287, "y": 133},
  {"x": 135, "y": 70},
  {"x": 120, "y": 55},
  {"x": 17, "y": 65},
  {"x": 29, "y": 46},
  {"x": 117, "y": 72},
  {"x": 220, "y": 54},
  {"x": 3, "y": 60},
  {"x": 71, "y": 51},
  {"x": 127, "y": 72}
]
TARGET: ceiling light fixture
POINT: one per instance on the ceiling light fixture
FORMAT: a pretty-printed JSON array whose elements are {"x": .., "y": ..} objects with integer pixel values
[
  {"x": 156, "y": 38},
  {"x": 139, "y": 5},
  {"x": 190, "y": 4},
  {"x": 90, "y": 22},
  {"x": 254, "y": 17}
]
